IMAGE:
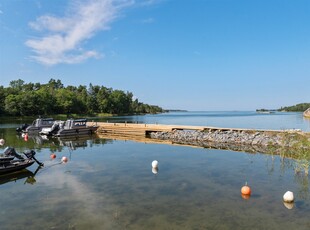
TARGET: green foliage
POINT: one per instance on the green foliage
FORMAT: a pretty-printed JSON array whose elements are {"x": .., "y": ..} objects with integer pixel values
[
  {"x": 296, "y": 108},
  {"x": 20, "y": 99}
]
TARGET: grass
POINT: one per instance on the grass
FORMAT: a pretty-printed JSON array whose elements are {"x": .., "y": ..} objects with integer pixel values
[{"x": 299, "y": 149}]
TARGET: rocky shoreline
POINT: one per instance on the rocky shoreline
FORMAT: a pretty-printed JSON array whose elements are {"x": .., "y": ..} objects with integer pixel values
[{"x": 246, "y": 140}]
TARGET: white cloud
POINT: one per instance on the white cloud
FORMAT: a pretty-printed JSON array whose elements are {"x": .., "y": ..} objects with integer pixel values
[{"x": 63, "y": 37}]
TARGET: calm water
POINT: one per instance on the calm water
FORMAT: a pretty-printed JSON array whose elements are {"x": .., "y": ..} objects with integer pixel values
[
  {"x": 109, "y": 184},
  {"x": 252, "y": 120}
]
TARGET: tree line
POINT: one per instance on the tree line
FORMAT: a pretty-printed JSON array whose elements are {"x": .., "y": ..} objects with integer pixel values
[
  {"x": 296, "y": 108},
  {"x": 30, "y": 99}
]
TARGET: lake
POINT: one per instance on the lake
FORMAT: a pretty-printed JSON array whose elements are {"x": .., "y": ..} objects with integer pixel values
[
  {"x": 230, "y": 119},
  {"x": 110, "y": 184}
]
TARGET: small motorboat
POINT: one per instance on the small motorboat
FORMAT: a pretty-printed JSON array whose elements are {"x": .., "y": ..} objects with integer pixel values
[
  {"x": 37, "y": 125},
  {"x": 11, "y": 161},
  {"x": 70, "y": 127}
]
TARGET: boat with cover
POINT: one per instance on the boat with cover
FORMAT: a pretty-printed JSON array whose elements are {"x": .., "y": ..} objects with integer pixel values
[
  {"x": 37, "y": 125},
  {"x": 11, "y": 161},
  {"x": 70, "y": 127}
]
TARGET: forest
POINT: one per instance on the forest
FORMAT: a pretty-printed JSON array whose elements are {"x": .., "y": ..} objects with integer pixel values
[
  {"x": 296, "y": 108},
  {"x": 31, "y": 99}
]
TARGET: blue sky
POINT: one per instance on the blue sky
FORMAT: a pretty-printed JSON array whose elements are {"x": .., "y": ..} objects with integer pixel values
[{"x": 178, "y": 54}]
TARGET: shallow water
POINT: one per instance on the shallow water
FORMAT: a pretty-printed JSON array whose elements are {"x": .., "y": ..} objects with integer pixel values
[{"x": 109, "y": 184}]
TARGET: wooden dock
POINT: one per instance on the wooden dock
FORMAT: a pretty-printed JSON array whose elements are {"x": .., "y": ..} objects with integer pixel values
[{"x": 142, "y": 130}]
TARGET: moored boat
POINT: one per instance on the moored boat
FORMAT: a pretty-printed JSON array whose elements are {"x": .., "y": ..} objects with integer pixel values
[
  {"x": 70, "y": 127},
  {"x": 37, "y": 125},
  {"x": 12, "y": 165}
]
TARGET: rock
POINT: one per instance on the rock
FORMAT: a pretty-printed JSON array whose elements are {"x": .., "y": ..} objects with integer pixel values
[
  {"x": 233, "y": 139},
  {"x": 307, "y": 113}
]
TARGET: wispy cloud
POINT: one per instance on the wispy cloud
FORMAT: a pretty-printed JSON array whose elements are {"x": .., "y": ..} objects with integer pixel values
[
  {"x": 63, "y": 37},
  {"x": 148, "y": 20},
  {"x": 149, "y": 2}
]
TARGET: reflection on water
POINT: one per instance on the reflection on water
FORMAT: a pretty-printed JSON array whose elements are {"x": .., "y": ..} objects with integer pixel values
[
  {"x": 20, "y": 175},
  {"x": 110, "y": 184}
]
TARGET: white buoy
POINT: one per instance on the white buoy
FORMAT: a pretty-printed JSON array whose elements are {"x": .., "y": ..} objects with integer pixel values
[
  {"x": 155, "y": 170},
  {"x": 2, "y": 141},
  {"x": 288, "y": 197},
  {"x": 64, "y": 159},
  {"x": 155, "y": 164}
]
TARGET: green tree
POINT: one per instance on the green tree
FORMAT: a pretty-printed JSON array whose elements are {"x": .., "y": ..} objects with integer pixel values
[
  {"x": 92, "y": 104},
  {"x": 12, "y": 104},
  {"x": 66, "y": 101},
  {"x": 120, "y": 102},
  {"x": 103, "y": 99},
  {"x": 2, "y": 100}
]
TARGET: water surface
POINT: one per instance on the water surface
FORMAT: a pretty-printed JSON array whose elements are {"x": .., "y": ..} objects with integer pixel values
[
  {"x": 109, "y": 184},
  {"x": 229, "y": 119}
]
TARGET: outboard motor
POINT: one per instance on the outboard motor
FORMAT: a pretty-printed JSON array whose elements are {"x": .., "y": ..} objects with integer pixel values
[
  {"x": 23, "y": 127},
  {"x": 9, "y": 151},
  {"x": 55, "y": 128},
  {"x": 29, "y": 154}
]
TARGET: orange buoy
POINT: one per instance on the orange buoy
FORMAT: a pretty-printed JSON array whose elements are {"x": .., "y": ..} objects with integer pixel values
[
  {"x": 64, "y": 159},
  {"x": 246, "y": 190},
  {"x": 53, "y": 156}
]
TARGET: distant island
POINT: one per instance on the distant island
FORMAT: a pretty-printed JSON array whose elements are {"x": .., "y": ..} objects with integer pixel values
[
  {"x": 294, "y": 108},
  {"x": 175, "y": 110},
  {"x": 266, "y": 110}
]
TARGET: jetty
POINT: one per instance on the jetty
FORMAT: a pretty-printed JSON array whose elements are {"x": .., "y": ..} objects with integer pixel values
[
  {"x": 249, "y": 140},
  {"x": 134, "y": 129}
]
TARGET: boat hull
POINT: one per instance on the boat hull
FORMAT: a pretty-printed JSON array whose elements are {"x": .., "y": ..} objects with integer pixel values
[
  {"x": 15, "y": 166},
  {"x": 76, "y": 131}
]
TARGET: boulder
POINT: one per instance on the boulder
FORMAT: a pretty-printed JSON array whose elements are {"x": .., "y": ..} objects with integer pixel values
[{"x": 307, "y": 113}]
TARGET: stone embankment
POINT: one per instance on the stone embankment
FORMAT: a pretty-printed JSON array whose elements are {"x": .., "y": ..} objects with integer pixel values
[{"x": 250, "y": 141}]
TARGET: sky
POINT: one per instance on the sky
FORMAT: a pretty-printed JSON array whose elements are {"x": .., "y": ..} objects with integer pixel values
[{"x": 197, "y": 55}]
